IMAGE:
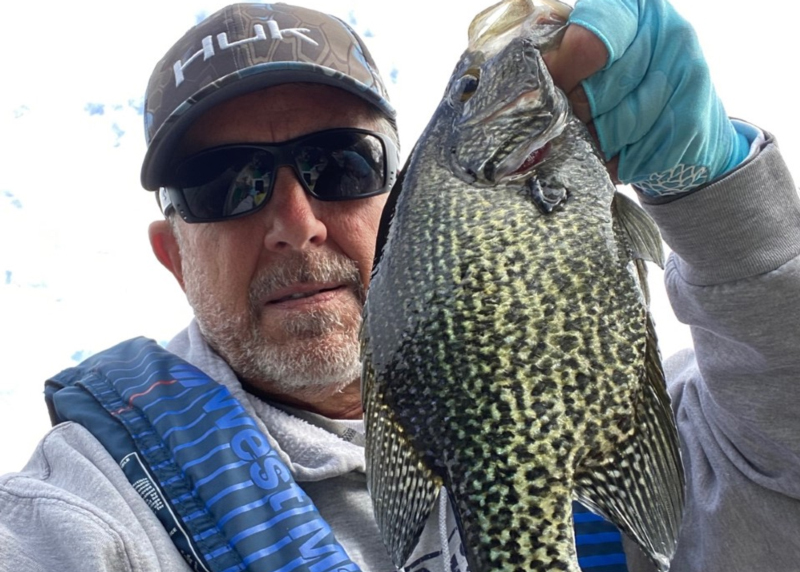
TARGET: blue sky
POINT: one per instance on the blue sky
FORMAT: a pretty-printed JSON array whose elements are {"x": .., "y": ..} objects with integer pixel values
[{"x": 76, "y": 272}]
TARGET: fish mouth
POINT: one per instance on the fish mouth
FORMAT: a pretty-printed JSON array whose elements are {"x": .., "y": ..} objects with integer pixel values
[
  {"x": 516, "y": 165},
  {"x": 525, "y": 158},
  {"x": 509, "y": 169},
  {"x": 535, "y": 157}
]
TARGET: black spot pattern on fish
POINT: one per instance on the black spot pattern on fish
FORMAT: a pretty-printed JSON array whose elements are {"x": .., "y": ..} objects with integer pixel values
[
  {"x": 498, "y": 339},
  {"x": 507, "y": 347}
]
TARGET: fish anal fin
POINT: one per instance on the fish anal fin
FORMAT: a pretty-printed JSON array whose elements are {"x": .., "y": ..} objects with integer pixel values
[
  {"x": 642, "y": 490},
  {"x": 403, "y": 489}
]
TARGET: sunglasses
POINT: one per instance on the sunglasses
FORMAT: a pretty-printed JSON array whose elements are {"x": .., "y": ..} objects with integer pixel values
[{"x": 232, "y": 181}]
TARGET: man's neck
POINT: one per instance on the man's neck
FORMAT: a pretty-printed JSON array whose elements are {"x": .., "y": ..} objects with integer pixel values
[{"x": 333, "y": 404}]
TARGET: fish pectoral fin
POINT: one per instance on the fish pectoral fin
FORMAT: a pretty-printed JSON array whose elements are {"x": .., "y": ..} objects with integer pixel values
[
  {"x": 642, "y": 490},
  {"x": 640, "y": 229},
  {"x": 403, "y": 489}
]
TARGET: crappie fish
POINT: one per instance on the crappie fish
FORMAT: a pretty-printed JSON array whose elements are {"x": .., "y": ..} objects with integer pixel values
[{"x": 508, "y": 351}]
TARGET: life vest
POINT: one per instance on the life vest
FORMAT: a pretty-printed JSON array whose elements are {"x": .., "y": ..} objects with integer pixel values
[{"x": 198, "y": 460}]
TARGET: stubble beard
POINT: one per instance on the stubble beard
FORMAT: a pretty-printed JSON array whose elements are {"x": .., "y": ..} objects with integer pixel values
[{"x": 313, "y": 354}]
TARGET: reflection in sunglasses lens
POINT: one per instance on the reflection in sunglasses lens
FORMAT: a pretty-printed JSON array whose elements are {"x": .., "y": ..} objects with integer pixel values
[{"x": 234, "y": 180}]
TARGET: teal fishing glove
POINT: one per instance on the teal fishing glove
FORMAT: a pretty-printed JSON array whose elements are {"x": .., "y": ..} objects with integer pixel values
[{"x": 654, "y": 104}]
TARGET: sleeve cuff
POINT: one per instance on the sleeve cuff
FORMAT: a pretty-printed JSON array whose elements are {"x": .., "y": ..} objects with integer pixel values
[{"x": 744, "y": 224}]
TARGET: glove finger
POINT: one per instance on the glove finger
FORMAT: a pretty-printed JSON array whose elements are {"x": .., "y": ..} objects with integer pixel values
[
  {"x": 608, "y": 88},
  {"x": 616, "y": 24},
  {"x": 580, "y": 104},
  {"x": 579, "y": 55},
  {"x": 612, "y": 165}
]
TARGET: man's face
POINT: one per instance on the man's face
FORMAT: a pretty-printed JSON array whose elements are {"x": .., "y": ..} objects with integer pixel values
[{"x": 279, "y": 293}]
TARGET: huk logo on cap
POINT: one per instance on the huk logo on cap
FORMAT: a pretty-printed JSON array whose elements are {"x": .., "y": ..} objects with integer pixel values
[{"x": 207, "y": 51}]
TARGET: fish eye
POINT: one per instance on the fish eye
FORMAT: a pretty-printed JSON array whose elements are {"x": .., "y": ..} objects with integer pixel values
[{"x": 467, "y": 85}]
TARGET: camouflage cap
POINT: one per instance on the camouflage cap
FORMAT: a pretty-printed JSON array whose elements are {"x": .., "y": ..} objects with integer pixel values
[{"x": 244, "y": 48}]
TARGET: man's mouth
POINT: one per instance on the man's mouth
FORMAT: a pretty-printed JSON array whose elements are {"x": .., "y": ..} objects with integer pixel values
[{"x": 304, "y": 293}]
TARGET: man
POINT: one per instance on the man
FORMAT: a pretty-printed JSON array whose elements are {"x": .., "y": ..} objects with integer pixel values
[{"x": 242, "y": 115}]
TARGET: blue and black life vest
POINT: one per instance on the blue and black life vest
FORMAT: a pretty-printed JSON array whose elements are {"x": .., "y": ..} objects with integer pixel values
[{"x": 198, "y": 459}]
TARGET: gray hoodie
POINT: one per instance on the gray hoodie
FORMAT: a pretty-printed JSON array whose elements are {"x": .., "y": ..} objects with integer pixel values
[{"x": 734, "y": 277}]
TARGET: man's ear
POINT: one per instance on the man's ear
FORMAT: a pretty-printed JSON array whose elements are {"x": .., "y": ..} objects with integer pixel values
[{"x": 165, "y": 247}]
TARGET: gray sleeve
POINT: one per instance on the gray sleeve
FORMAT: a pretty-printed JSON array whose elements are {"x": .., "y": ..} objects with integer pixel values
[
  {"x": 71, "y": 509},
  {"x": 734, "y": 278}
]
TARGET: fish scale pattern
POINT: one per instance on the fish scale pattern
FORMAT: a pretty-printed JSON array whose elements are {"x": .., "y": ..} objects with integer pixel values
[
  {"x": 525, "y": 369},
  {"x": 508, "y": 352}
]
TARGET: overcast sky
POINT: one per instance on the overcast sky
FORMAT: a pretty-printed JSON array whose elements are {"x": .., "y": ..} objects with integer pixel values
[{"x": 76, "y": 272}]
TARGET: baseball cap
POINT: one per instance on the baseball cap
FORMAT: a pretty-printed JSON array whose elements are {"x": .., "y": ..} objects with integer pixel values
[{"x": 243, "y": 48}]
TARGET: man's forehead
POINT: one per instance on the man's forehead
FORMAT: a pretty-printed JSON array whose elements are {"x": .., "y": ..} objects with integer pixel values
[{"x": 277, "y": 114}]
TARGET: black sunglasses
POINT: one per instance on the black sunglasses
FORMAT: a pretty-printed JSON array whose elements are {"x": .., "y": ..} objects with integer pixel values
[{"x": 232, "y": 181}]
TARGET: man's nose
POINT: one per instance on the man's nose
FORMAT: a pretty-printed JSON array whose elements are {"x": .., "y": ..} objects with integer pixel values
[{"x": 294, "y": 222}]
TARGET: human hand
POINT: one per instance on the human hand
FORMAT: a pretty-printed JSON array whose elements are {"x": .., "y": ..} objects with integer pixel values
[{"x": 634, "y": 72}]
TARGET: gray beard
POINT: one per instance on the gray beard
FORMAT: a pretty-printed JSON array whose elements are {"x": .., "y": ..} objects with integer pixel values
[{"x": 320, "y": 351}]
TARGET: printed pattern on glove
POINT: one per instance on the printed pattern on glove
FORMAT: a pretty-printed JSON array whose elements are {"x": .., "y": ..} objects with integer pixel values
[{"x": 674, "y": 181}]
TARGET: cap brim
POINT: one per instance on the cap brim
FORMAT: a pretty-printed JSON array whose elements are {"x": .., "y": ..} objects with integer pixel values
[{"x": 257, "y": 77}]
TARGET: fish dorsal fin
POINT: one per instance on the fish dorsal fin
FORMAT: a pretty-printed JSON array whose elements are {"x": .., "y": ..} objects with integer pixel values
[
  {"x": 641, "y": 489},
  {"x": 640, "y": 230},
  {"x": 402, "y": 488},
  {"x": 389, "y": 211}
]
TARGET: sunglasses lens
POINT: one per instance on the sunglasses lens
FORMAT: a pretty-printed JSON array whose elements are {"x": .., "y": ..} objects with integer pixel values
[
  {"x": 235, "y": 180},
  {"x": 226, "y": 182},
  {"x": 342, "y": 165}
]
